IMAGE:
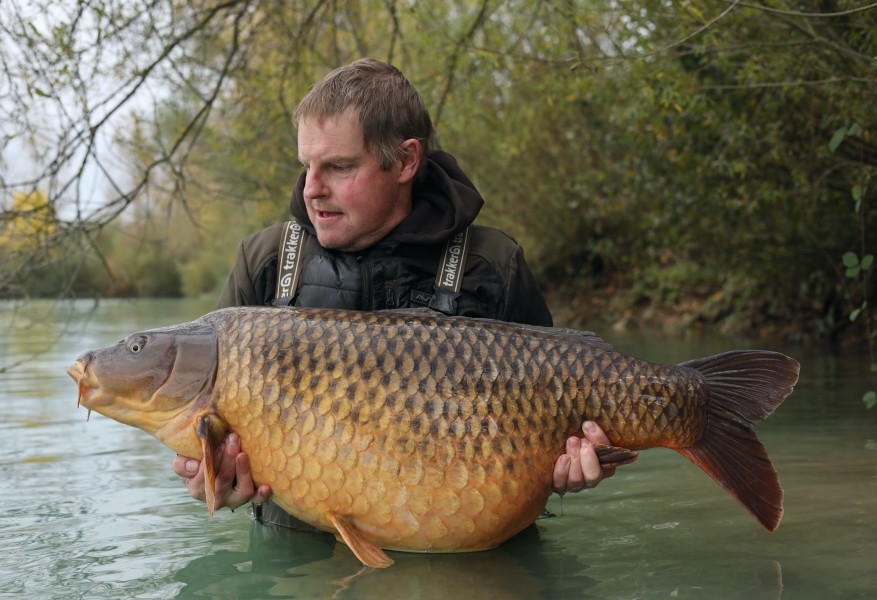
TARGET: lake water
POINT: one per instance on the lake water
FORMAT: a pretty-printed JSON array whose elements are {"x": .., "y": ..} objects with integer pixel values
[{"x": 92, "y": 509}]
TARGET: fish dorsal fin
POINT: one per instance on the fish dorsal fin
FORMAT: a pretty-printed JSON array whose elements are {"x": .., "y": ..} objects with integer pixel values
[
  {"x": 421, "y": 312},
  {"x": 211, "y": 430},
  {"x": 364, "y": 549},
  {"x": 586, "y": 337}
]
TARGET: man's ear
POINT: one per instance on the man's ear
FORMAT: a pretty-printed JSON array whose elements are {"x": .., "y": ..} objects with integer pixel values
[{"x": 410, "y": 160}]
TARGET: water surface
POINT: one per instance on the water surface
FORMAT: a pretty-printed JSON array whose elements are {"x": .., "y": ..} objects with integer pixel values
[{"x": 93, "y": 510}]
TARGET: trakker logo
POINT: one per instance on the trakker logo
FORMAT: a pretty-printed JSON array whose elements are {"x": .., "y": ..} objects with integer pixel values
[
  {"x": 453, "y": 261},
  {"x": 287, "y": 282}
]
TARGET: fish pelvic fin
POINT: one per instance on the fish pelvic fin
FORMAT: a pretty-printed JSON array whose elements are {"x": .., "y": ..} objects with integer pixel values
[
  {"x": 211, "y": 430},
  {"x": 364, "y": 549},
  {"x": 744, "y": 388}
]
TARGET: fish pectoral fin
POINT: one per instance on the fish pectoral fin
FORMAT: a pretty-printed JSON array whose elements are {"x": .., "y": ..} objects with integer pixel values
[
  {"x": 364, "y": 549},
  {"x": 613, "y": 456},
  {"x": 211, "y": 431}
]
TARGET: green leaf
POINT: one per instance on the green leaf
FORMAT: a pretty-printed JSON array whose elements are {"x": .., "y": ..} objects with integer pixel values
[
  {"x": 854, "y": 129},
  {"x": 874, "y": 367},
  {"x": 853, "y": 271},
  {"x": 857, "y": 192},
  {"x": 870, "y": 399},
  {"x": 851, "y": 259},
  {"x": 855, "y": 314},
  {"x": 39, "y": 92},
  {"x": 837, "y": 139},
  {"x": 867, "y": 261}
]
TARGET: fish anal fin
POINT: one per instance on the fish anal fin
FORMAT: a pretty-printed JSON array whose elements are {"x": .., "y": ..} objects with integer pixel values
[
  {"x": 211, "y": 431},
  {"x": 611, "y": 457},
  {"x": 364, "y": 549}
]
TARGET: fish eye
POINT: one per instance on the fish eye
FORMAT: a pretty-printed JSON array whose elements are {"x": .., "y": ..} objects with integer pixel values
[{"x": 136, "y": 345}]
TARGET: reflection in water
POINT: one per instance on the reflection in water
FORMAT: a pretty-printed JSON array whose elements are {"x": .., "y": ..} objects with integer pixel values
[
  {"x": 283, "y": 563},
  {"x": 768, "y": 584}
]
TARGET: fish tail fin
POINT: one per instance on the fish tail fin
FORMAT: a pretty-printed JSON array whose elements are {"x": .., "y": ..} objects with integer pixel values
[{"x": 745, "y": 387}]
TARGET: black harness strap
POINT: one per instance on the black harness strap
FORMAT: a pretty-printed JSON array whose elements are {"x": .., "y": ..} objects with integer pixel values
[{"x": 448, "y": 280}]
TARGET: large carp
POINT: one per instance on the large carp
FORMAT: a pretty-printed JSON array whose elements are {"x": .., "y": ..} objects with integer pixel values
[{"x": 409, "y": 430}]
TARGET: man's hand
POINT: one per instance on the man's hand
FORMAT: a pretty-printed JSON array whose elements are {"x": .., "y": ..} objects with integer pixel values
[
  {"x": 580, "y": 468},
  {"x": 234, "y": 483}
]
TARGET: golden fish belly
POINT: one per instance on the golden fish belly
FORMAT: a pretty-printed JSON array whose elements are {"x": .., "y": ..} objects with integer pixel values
[{"x": 429, "y": 436}]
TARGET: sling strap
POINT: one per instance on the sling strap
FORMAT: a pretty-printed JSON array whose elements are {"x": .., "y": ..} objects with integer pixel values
[{"x": 448, "y": 279}]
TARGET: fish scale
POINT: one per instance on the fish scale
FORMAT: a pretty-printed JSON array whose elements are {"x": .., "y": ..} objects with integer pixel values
[{"x": 413, "y": 431}]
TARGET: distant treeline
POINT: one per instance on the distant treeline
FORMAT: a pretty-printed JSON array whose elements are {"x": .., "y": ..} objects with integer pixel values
[{"x": 714, "y": 158}]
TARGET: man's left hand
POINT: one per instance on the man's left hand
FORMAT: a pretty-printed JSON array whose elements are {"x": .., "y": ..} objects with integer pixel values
[{"x": 580, "y": 468}]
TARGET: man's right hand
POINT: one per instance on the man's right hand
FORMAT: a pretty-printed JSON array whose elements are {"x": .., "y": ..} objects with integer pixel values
[{"x": 234, "y": 483}]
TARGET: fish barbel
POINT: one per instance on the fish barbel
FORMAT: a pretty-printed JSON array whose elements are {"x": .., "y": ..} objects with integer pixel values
[{"x": 409, "y": 430}]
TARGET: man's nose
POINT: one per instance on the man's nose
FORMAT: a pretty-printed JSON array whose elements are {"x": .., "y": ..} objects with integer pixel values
[{"x": 313, "y": 185}]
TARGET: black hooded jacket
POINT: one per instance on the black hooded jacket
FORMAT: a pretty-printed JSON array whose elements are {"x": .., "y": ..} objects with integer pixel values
[{"x": 399, "y": 271}]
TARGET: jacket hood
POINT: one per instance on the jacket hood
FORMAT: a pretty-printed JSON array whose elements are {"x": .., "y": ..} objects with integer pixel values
[{"x": 444, "y": 202}]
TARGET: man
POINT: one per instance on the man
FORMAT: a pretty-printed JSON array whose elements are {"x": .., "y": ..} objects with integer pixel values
[{"x": 379, "y": 207}]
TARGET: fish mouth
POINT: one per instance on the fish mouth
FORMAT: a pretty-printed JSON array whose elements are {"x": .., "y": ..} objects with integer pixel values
[{"x": 79, "y": 372}]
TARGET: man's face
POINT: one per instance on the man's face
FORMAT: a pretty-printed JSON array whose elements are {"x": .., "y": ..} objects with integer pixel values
[{"x": 351, "y": 201}]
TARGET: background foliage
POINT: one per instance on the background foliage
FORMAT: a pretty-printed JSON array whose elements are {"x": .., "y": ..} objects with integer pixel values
[{"x": 688, "y": 164}]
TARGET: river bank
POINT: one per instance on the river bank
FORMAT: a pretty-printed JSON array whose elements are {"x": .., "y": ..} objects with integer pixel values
[{"x": 607, "y": 303}]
